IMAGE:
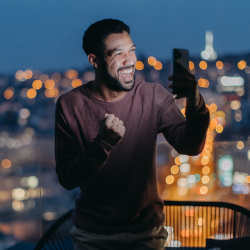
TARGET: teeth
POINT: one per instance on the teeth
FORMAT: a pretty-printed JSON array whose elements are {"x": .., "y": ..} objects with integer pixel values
[{"x": 127, "y": 71}]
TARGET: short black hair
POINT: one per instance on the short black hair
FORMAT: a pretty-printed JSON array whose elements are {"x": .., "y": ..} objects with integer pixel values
[{"x": 94, "y": 36}]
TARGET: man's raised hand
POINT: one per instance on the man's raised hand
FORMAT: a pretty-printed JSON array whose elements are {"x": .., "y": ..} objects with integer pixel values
[{"x": 112, "y": 129}]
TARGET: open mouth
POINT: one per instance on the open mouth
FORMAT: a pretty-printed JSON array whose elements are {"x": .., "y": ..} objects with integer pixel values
[{"x": 126, "y": 74}]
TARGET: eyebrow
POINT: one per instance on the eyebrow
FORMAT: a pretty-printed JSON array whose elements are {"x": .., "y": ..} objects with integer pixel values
[{"x": 110, "y": 52}]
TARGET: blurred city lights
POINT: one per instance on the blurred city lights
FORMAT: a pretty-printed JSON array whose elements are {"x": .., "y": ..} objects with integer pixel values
[
  {"x": 240, "y": 145},
  {"x": 241, "y": 64},
  {"x": 24, "y": 113},
  {"x": 203, "y": 65},
  {"x": 205, "y": 170},
  {"x": 191, "y": 66},
  {"x": 219, "y": 128},
  {"x": 203, "y": 83},
  {"x": 248, "y": 179},
  {"x": 200, "y": 222},
  {"x": 191, "y": 180},
  {"x": 43, "y": 77},
  {"x": 71, "y": 74},
  {"x": 174, "y": 169},
  {"x": 18, "y": 194},
  {"x": 152, "y": 60},
  {"x": 51, "y": 93},
  {"x": 6, "y": 163},
  {"x": 185, "y": 168},
  {"x": 32, "y": 181},
  {"x": 76, "y": 83},
  {"x": 139, "y": 65},
  {"x": 28, "y": 74},
  {"x": 182, "y": 182},
  {"x": 158, "y": 65},
  {"x": 205, "y": 160},
  {"x": 20, "y": 75},
  {"x": 238, "y": 115},
  {"x": 203, "y": 190},
  {"x": 183, "y": 158},
  {"x": 213, "y": 123},
  {"x": 169, "y": 179},
  {"x": 49, "y": 84},
  {"x": 17, "y": 205},
  {"x": 231, "y": 81},
  {"x": 225, "y": 170},
  {"x": 205, "y": 179},
  {"x": 185, "y": 233},
  {"x": 31, "y": 93},
  {"x": 235, "y": 104},
  {"x": 189, "y": 212},
  {"x": 49, "y": 215},
  {"x": 37, "y": 84},
  {"x": 219, "y": 65},
  {"x": 213, "y": 107},
  {"x": 8, "y": 93},
  {"x": 177, "y": 160}
]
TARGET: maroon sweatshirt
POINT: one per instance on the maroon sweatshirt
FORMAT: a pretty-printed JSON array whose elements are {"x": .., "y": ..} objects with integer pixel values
[{"x": 118, "y": 188}]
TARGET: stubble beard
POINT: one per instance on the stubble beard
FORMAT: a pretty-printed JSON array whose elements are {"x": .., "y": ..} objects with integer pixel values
[{"x": 113, "y": 83}]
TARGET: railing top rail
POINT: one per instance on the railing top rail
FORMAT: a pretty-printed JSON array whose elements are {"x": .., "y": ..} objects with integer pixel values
[{"x": 209, "y": 204}]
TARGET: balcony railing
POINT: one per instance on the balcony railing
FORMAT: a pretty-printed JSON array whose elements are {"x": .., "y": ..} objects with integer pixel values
[{"x": 189, "y": 223}]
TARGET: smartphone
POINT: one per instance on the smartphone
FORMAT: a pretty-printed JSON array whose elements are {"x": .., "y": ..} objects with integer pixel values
[{"x": 180, "y": 65}]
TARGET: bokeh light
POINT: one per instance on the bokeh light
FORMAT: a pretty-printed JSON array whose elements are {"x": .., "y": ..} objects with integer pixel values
[
  {"x": 6, "y": 163},
  {"x": 203, "y": 83},
  {"x": 191, "y": 66},
  {"x": 8, "y": 93},
  {"x": 76, "y": 83},
  {"x": 139, "y": 65},
  {"x": 240, "y": 145},
  {"x": 241, "y": 64},
  {"x": 203, "y": 65},
  {"x": 169, "y": 179},
  {"x": 203, "y": 190},
  {"x": 152, "y": 60},
  {"x": 219, "y": 128},
  {"x": 37, "y": 84},
  {"x": 49, "y": 84},
  {"x": 158, "y": 65},
  {"x": 205, "y": 170},
  {"x": 174, "y": 169},
  {"x": 219, "y": 65},
  {"x": 31, "y": 93},
  {"x": 71, "y": 74}
]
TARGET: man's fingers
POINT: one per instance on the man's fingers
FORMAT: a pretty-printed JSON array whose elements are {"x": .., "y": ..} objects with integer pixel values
[{"x": 109, "y": 121}]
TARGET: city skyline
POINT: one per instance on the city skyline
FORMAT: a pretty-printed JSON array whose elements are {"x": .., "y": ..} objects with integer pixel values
[{"x": 47, "y": 35}]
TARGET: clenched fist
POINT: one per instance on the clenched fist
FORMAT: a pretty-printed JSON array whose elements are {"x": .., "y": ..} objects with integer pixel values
[{"x": 112, "y": 130}]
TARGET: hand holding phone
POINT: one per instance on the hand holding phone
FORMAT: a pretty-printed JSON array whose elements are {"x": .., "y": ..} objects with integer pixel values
[{"x": 184, "y": 83}]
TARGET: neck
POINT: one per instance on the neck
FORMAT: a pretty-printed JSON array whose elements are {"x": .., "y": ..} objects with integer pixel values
[{"x": 103, "y": 93}]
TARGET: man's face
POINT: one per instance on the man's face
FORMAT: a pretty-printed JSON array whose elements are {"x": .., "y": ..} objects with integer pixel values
[{"x": 118, "y": 66}]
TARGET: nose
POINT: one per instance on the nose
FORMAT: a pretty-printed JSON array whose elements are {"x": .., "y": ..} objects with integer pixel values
[{"x": 129, "y": 59}]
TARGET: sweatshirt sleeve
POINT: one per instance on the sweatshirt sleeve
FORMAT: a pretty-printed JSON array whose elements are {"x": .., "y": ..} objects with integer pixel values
[
  {"x": 186, "y": 135},
  {"x": 75, "y": 165}
]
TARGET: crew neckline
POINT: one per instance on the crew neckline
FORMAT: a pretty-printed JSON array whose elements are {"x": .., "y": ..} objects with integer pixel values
[{"x": 91, "y": 96}]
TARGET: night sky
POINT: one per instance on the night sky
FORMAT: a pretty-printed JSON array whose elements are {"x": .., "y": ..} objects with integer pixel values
[{"x": 46, "y": 34}]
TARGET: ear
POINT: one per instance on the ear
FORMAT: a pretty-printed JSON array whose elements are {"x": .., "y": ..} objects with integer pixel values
[{"x": 93, "y": 60}]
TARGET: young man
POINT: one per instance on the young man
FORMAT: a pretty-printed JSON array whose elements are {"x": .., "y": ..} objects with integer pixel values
[{"x": 105, "y": 141}]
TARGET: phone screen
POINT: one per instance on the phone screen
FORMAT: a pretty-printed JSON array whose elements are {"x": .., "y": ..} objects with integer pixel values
[
  {"x": 180, "y": 69},
  {"x": 180, "y": 64}
]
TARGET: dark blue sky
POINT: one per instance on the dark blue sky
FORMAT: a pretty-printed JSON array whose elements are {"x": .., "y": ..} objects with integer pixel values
[{"x": 46, "y": 34}]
